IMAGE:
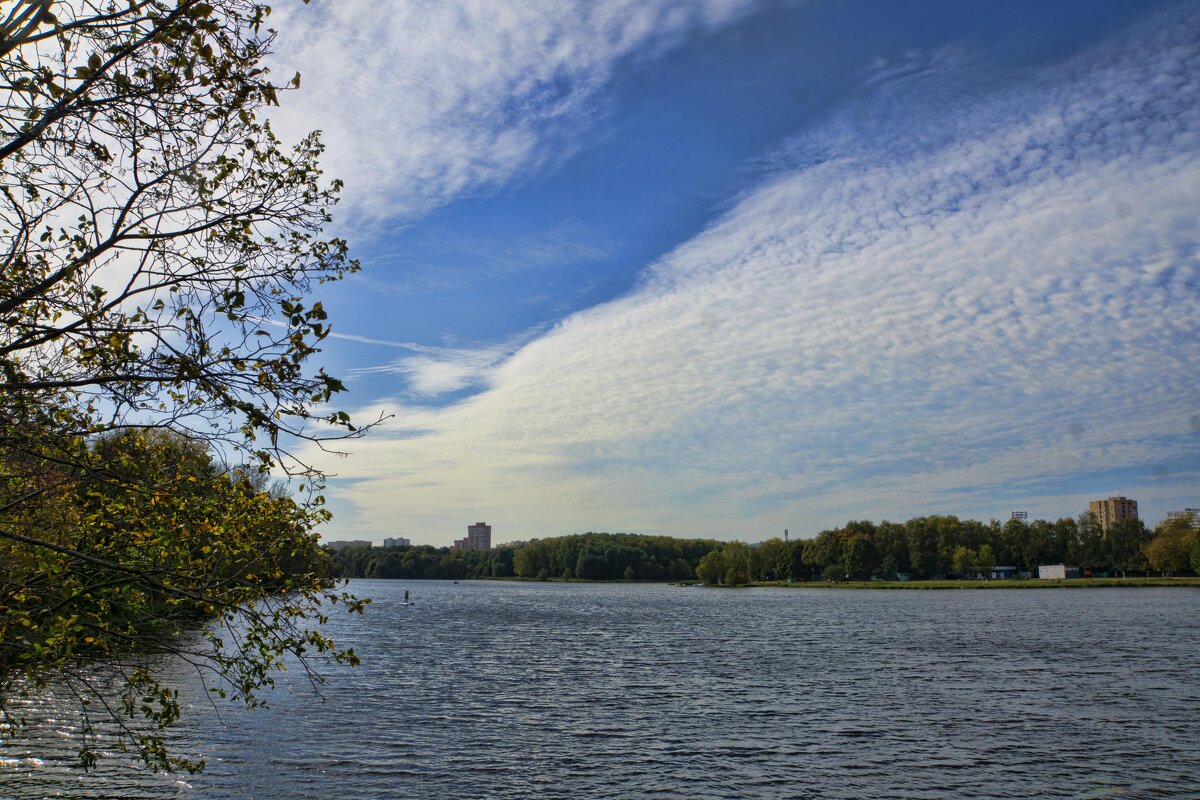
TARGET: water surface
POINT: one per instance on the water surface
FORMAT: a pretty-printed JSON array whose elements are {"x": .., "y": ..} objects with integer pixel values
[{"x": 526, "y": 690}]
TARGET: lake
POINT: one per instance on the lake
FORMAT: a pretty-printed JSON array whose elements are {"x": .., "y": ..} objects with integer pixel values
[{"x": 549, "y": 690}]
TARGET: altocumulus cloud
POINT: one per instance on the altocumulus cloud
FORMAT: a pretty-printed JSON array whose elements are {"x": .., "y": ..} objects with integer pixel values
[
  {"x": 904, "y": 324},
  {"x": 422, "y": 102}
]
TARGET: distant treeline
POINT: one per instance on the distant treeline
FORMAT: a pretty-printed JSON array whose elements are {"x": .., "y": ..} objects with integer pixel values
[
  {"x": 422, "y": 561},
  {"x": 588, "y": 556},
  {"x": 945, "y": 546},
  {"x": 923, "y": 547},
  {"x": 612, "y": 556}
]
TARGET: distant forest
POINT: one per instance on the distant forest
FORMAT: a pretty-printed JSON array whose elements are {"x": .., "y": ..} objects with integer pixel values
[
  {"x": 923, "y": 547},
  {"x": 588, "y": 556}
]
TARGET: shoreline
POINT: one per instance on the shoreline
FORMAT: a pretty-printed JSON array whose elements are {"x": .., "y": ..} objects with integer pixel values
[
  {"x": 918, "y": 585},
  {"x": 1012, "y": 583}
]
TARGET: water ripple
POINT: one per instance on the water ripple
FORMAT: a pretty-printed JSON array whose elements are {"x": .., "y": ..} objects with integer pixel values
[{"x": 606, "y": 691}]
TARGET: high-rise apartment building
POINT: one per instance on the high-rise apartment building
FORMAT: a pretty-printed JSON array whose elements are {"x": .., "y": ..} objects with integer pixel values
[
  {"x": 1113, "y": 510},
  {"x": 479, "y": 537}
]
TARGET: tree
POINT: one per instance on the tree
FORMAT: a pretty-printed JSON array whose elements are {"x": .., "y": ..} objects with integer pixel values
[
  {"x": 158, "y": 246},
  {"x": 793, "y": 560},
  {"x": 774, "y": 560},
  {"x": 893, "y": 549},
  {"x": 1125, "y": 545},
  {"x": 154, "y": 542},
  {"x": 736, "y": 576},
  {"x": 502, "y": 563},
  {"x": 529, "y": 560},
  {"x": 1089, "y": 547},
  {"x": 964, "y": 561},
  {"x": 591, "y": 565},
  {"x": 1195, "y": 554},
  {"x": 986, "y": 560},
  {"x": 825, "y": 551},
  {"x": 709, "y": 569},
  {"x": 1171, "y": 548},
  {"x": 858, "y": 556},
  {"x": 1042, "y": 544},
  {"x": 729, "y": 565},
  {"x": 159, "y": 241},
  {"x": 922, "y": 547},
  {"x": 737, "y": 559},
  {"x": 680, "y": 570}
]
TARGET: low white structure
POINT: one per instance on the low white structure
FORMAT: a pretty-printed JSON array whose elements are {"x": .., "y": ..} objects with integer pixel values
[{"x": 1058, "y": 572}]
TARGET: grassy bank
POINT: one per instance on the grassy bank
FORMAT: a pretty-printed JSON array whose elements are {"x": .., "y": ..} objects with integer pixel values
[{"x": 1073, "y": 583}]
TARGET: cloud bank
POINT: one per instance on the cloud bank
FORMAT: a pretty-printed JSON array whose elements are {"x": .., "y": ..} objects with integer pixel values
[{"x": 911, "y": 320}]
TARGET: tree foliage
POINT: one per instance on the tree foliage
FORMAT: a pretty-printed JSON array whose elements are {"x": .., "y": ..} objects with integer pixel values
[
  {"x": 159, "y": 242},
  {"x": 922, "y": 547},
  {"x": 159, "y": 246},
  {"x": 936, "y": 546},
  {"x": 1171, "y": 548},
  {"x": 103, "y": 574},
  {"x": 589, "y": 556},
  {"x": 1194, "y": 556},
  {"x": 609, "y": 556}
]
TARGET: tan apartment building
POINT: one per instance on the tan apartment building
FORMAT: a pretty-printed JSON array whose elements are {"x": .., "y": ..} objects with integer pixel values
[
  {"x": 1114, "y": 509},
  {"x": 479, "y": 537}
]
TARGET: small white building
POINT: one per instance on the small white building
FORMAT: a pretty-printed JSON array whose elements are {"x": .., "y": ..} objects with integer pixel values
[{"x": 1058, "y": 572}]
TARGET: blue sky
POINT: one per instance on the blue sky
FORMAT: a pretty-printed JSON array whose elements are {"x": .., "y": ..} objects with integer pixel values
[{"x": 721, "y": 267}]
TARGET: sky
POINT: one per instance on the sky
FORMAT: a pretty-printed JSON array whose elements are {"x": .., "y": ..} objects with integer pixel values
[{"x": 723, "y": 268}]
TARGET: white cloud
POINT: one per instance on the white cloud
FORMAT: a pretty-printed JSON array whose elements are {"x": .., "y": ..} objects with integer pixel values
[
  {"x": 891, "y": 331},
  {"x": 423, "y": 101},
  {"x": 433, "y": 371}
]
